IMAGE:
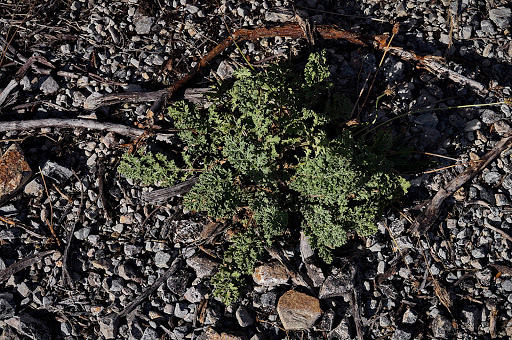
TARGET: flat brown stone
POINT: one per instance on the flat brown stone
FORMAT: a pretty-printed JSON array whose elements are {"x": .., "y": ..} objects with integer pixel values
[
  {"x": 270, "y": 274},
  {"x": 14, "y": 172},
  {"x": 298, "y": 311}
]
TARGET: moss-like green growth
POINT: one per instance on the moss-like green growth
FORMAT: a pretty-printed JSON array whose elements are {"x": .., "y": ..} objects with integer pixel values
[{"x": 273, "y": 145}]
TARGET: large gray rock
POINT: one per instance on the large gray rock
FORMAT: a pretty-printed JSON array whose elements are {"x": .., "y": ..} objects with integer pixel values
[
  {"x": 501, "y": 16},
  {"x": 298, "y": 311},
  {"x": 30, "y": 327}
]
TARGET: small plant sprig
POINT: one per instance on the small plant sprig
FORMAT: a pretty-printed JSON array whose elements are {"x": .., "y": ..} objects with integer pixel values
[{"x": 272, "y": 146}]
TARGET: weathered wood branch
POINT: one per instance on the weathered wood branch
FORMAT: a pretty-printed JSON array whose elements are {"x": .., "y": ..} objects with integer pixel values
[
  {"x": 426, "y": 219},
  {"x": 75, "y": 124},
  {"x": 292, "y": 30},
  {"x": 161, "y": 195}
]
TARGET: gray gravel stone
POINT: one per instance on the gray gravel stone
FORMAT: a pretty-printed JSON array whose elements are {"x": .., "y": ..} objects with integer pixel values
[
  {"x": 490, "y": 117},
  {"x": 56, "y": 172},
  {"x": 203, "y": 266},
  {"x": 410, "y": 317},
  {"x": 442, "y": 328},
  {"x": 471, "y": 317},
  {"x": 473, "y": 125},
  {"x": 49, "y": 86},
  {"x": 30, "y": 327},
  {"x": 501, "y": 200},
  {"x": 195, "y": 294},
  {"x": 501, "y": 16},
  {"x": 149, "y": 334},
  {"x": 401, "y": 334},
  {"x": 243, "y": 317},
  {"x": 162, "y": 259},
  {"x": 7, "y": 306},
  {"x": 108, "y": 327},
  {"x": 143, "y": 24}
]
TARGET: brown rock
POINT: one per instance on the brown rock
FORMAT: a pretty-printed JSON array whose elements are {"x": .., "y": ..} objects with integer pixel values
[
  {"x": 271, "y": 274},
  {"x": 14, "y": 172},
  {"x": 298, "y": 311}
]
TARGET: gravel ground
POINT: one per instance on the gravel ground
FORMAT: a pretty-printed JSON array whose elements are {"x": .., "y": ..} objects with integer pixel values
[{"x": 454, "y": 282}]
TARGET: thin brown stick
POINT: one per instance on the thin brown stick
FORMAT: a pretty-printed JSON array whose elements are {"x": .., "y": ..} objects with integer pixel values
[
  {"x": 501, "y": 232},
  {"x": 425, "y": 220},
  {"x": 66, "y": 278},
  {"x": 158, "y": 282},
  {"x": 22, "y": 264}
]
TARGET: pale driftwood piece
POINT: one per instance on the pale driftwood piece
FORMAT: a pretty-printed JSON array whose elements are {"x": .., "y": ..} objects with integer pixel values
[
  {"x": 432, "y": 65},
  {"x": 426, "y": 219},
  {"x": 127, "y": 97},
  {"x": 164, "y": 194},
  {"x": 5, "y": 93},
  {"x": 22, "y": 264},
  {"x": 74, "y": 124}
]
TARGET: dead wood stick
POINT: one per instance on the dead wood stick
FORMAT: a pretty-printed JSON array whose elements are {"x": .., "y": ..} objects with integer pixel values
[
  {"x": 164, "y": 194},
  {"x": 292, "y": 30},
  {"x": 294, "y": 273},
  {"x": 501, "y": 232},
  {"x": 425, "y": 220},
  {"x": 22, "y": 264},
  {"x": 73, "y": 124},
  {"x": 158, "y": 282},
  {"x": 504, "y": 269}
]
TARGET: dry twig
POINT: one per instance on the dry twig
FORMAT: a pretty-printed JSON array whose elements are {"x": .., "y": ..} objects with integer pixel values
[
  {"x": 22, "y": 264},
  {"x": 428, "y": 217}
]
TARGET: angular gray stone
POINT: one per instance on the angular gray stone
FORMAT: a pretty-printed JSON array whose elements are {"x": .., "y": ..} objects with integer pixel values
[
  {"x": 162, "y": 259},
  {"x": 149, "y": 334},
  {"x": 7, "y": 306},
  {"x": 196, "y": 293},
  {"x": 338, "y": 284},
  {"x": 49, "y": 86},
  {"x": 143, "y": 24},
  {"x": 442, "y": 328},
  {"x": 409, "y": 317},
  {"x": 108, "y": 327},
  {"x": 471, "y": 317},
  {"x": 56, "y": 172},
  {"x": 401, "y": 334},
  {"x": 501, "y": 16},
  {"x": 30, "y": 327},
  {"x": 473, "y": 125},
  {"x": 490, "y": 117},
  {"x": 243, "y": 317},
  {"x": 203, "y": 266}
]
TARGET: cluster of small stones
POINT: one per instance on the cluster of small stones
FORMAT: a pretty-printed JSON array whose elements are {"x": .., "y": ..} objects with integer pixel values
[{"x": 443, "y": 285}]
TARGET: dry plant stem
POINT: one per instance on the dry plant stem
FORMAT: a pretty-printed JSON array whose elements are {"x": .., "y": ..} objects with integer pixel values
[
  {"x": 426, "y": 219},
  {"x": 501, "y": 232},
  {"x": 66, "y": 278},
  {"x": 74, "y": 124},
  {"x": 292, "y": 30},
  {"x": 296, "y": 275},
  {"x": 161, "y": 195},
  {"x": 22, "y": 264},
  {"x": 138, "y": 300}
]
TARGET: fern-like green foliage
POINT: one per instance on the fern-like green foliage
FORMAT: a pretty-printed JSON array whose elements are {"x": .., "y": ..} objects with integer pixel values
[
  {"x": 149, "y": 168},
  {"x": 269, "y": 148}
]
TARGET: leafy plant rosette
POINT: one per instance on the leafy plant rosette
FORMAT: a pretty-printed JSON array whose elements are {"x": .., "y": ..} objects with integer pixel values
[{"x": 273, "y": 146}]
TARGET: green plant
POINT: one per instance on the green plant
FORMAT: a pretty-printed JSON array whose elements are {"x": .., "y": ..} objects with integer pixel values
[
  {"x": 149, "y": 168},
  {"x": 273, "y": 146}
]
